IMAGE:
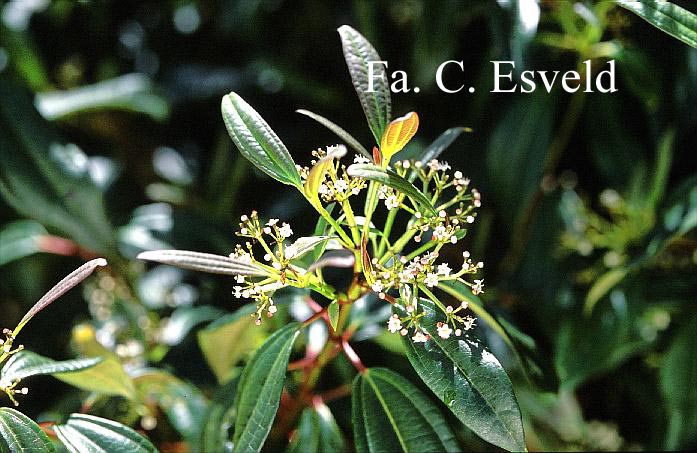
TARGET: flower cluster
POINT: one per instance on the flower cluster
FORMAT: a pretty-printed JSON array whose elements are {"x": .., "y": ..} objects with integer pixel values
[
  {"x": 276, "y": 261},
  {"x": 337, "y": 185},
  {"x": 6, "y": 350}
]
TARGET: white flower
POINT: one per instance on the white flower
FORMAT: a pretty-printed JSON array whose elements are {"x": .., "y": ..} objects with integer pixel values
[
  {"x": 444, "y": 330},
  {"x": 478, "y": 287},
  {"x": 323, "y": 189},
  {"x": 285, "y": 231},
  {"x": 468, "y": 323},
  {"x": 273, "y": 309},
  {"x": 237, "y": 292},
  {"x": 394, "y": 324},
  {"x": 239, "y": 278},
  {"x": 340, "y": 186},
  {"x": 457, "y": 174},
  {"x": 391, "y": 202},
  {"x": 382, "y": 192},
  {"x": 272, "y": 222},
  {"x": 360, "y": 159},
  {"x": 419, "y": 337},
  {"x": 378, "y": 287},
  {"x": 431, "y": 280},
  {"x": 444, "y": 269}
]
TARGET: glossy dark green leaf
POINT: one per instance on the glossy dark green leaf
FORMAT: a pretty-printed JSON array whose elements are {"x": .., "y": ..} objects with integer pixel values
[
  {"x": 340, "y": 132},
  {"x": 678, "y": 380},
  {"x": 184, "y": 404},
  {"x": 440, "y": 144},
  {"x": 377, "y": 105},
  {"x": 46, "y": 179},
  {"x": 260, "y": 388},
  {"x": 669, "y": 17},
  {"x": 19, "y": 434},
  {"x": 469, "y": 380},
  {"x": 390, "y": 414},
  {"x": 228, "y": 340},
  {"x": 391, "y": 179},
  {"x": 317, "y": 432},
  {"x": 203, "y": 262},
  {"x": 219, "y": 421},
  {"x": 84, "y": 433},
  {"x": 257, "y": 141}
]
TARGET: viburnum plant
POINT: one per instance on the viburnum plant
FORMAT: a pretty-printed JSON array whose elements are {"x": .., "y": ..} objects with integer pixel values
[{"x": 389, "y": 221}]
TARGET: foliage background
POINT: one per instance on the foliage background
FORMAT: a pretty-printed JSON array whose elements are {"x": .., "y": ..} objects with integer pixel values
[{"x": 621, "y": 377}]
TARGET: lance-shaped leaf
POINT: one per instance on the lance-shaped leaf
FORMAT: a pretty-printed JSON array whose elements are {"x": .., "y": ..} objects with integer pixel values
[
  {"x": 440, "y": 144},
  {"x": 317, "y": 432},
  {"x": 397, "y": 135},
  {"x": 87, "y": 433},
  {"x": 391, "y": 179},
  {"x": 338, "y": 130},
  {"x": 316, "y": 176},
  {"x": 469, "y": 380},
  {"x": 203, "y": 262},
  {"x": 257, "y": 141},
  {"x": 94, "y": 374},
  {"x": 259, "y": 391},
  {"x": 377, "y": 104},
  {"x": 391, "y": 414},
  {"x": 61, "y": 288},
  {"x": 19, "y": 434},
  {"x": 672, "y": 19}
]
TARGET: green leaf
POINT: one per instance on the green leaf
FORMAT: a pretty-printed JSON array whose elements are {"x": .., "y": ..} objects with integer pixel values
[
  {"x": 20, "y": 239},
  {"x": 678, "y": 380},
  {"x": 672, "y": 19},
  {"x": 260, "y": 388},
  {"x": 377, "y": 105},
  {"x": 26, "y": 363},
  {"x": 257, "y": 141},
  {"x": 203, "y": 262},
  {"x": 84, "y": 433},
  {"x": 391, "y": 414},
  {"x": 19, "y": 434},
  {"x": 46, "y": 179},
  {"x": 131, "y": 93},
  {"x": 469, "y": 380},
  {"x": 440, "y": 144},
  {"x": 94, "y": 374},
  {"x": 220, "y": 419},
  {"x": 183, "y": 403},
  {"x": 317, "y": 432},
  {"x": 228, "y": 340},
  {"x": 341, "y": 133},
  {"x": 333, "y": 311},
  {"x": 391, "y": 179}
]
